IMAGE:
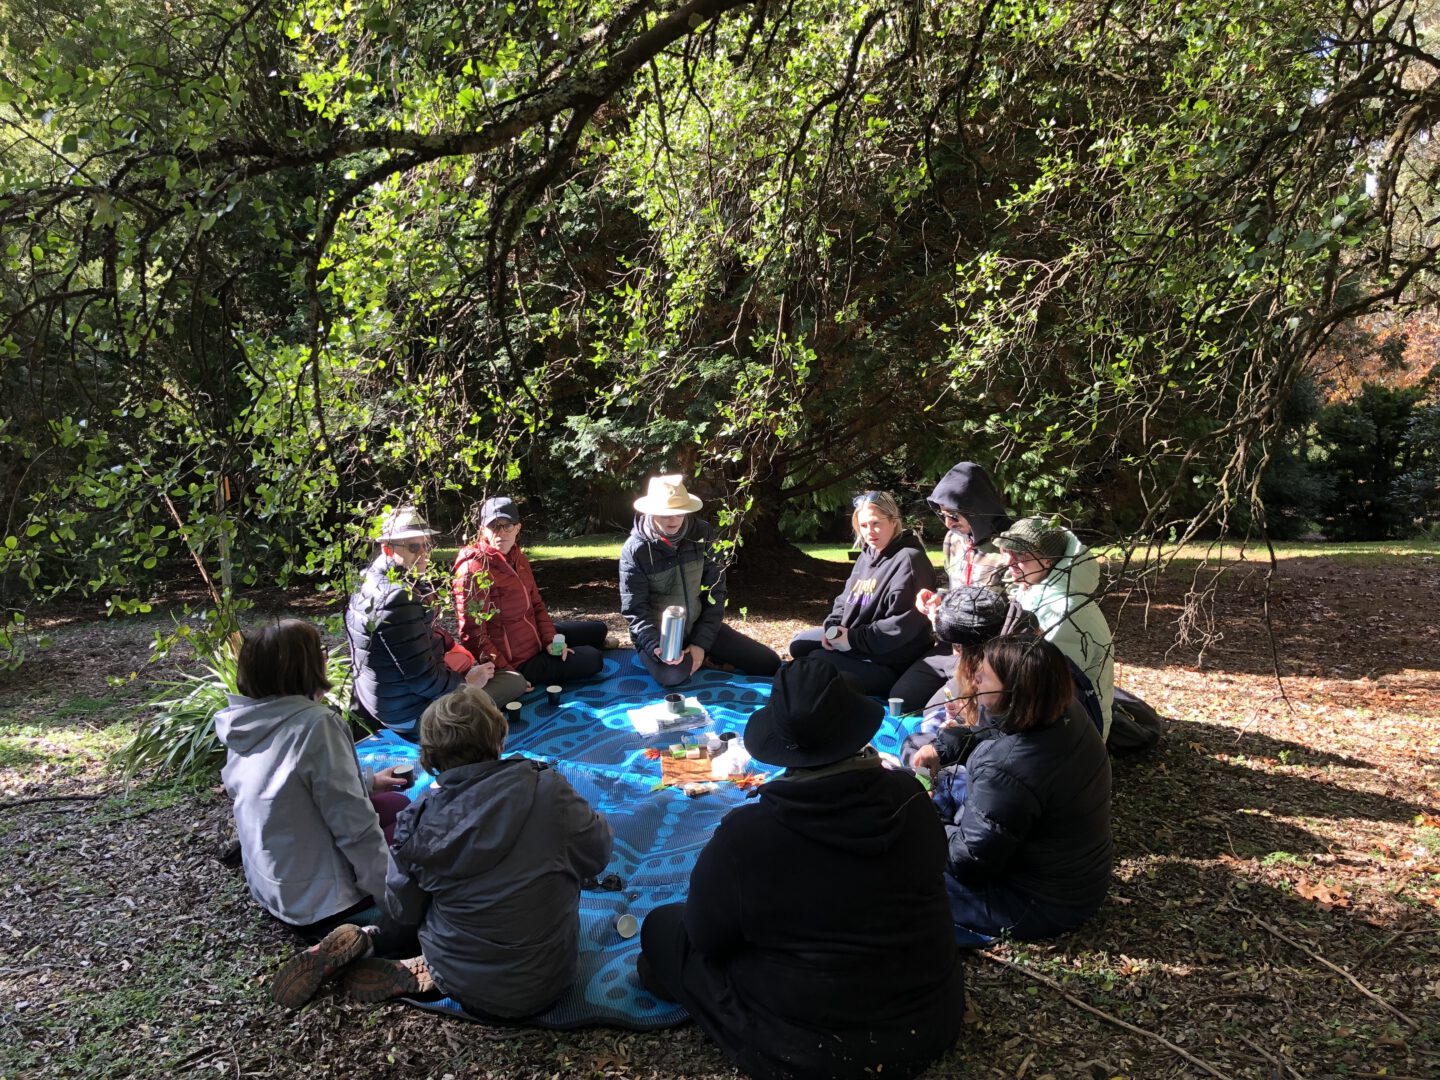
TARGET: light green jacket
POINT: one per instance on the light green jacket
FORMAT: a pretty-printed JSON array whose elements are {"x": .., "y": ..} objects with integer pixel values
[{"x": 1065, "y": 606}]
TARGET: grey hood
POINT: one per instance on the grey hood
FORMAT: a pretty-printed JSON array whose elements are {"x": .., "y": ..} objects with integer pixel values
[{"x": 248, "y": 723}]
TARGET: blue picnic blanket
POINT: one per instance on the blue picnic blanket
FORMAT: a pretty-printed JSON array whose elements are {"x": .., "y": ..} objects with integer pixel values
[{"x": 659, "y": 831}]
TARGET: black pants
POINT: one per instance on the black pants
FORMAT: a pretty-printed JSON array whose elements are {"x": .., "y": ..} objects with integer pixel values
[
  {"x": 585, "y": 637},
  {"x": 923, "y": 683},
  {"x": 662, "y": 951},
  {"x": 867, "y": 676},
  {"x": 732, "y": 648}
]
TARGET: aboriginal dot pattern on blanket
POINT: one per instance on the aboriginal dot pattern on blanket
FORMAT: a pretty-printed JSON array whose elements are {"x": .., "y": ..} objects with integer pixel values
[{"x": 658, "y": 833}]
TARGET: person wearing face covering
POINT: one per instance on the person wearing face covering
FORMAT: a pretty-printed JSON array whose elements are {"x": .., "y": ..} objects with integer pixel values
[
  {"x": 667, "y": 562},
  {"x": 973, "y": 512}
]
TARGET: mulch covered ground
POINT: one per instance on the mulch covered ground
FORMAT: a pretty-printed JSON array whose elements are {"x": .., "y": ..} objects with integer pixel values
[{"x": 1276, "y": 909}]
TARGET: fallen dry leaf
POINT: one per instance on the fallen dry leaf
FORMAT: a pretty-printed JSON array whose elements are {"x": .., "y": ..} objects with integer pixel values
[{"x": 1326, "y": 896}]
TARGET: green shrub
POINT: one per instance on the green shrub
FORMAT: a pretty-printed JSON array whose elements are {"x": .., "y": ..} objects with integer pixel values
[{"x": 178, "y": 740}]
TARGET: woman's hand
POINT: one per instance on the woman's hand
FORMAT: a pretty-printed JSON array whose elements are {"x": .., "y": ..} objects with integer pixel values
[
  {"x": 697, "y": 654},
  {"x": 481, "y": 673},
  {"x": 386, "y": 780},
  {"x": 927, "y": 757},
  {"x": 840, "y": 642},
  {"x": 927, "y": 602}
]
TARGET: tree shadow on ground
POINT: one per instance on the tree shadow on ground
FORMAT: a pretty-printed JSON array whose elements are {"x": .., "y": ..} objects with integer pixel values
[
  {"x": 1213, "y": 951},
  {"x": 1189, "y": 802}
]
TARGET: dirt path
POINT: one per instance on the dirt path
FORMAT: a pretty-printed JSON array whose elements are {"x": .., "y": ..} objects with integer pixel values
[{"x": 1276, "y": 912}]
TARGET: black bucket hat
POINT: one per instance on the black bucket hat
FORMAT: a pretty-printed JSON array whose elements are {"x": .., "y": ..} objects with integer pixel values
[{"x": 813, "y": 718}]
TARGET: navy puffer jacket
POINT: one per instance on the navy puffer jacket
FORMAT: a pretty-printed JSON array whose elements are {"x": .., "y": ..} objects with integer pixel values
[
  {"x": 1036, "y": 816},
  {"x": 396, "y": 650}
]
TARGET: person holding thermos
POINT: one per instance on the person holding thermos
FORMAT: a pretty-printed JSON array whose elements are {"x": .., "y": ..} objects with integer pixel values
[{"x": 667, "y": 569}]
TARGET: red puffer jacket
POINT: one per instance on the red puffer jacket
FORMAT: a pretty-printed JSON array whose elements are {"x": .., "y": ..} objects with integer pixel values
[{"x": 498, "y": 607}]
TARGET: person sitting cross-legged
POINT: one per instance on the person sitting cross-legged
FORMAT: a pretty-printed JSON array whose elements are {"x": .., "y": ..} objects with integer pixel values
[
  {"x": 488, "y": 862},
  {"x": 1030, "y": 848},
  {"x": 401, "y": 657},
  {"x": 668, "y": 561},
  {"x": 816, "y": 940},
  {"x": 501, "y": 615},
  {"x": 874, "y": 630}
]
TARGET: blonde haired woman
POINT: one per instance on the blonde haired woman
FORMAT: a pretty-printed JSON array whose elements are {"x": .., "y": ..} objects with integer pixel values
[{"x": 874, "y": 631}]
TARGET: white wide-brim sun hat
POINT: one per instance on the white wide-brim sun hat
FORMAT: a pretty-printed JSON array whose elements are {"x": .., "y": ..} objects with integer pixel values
[{"x": 666, "y": 495}]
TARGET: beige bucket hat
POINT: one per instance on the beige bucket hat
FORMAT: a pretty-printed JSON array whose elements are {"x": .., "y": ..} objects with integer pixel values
[
  {"x": 666, "y": 495},
  {"x": 404, "y": 523}
]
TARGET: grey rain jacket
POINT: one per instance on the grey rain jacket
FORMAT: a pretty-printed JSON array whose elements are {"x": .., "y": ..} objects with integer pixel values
[
  {"x": 309, "y": 835},
  {"x": 488, "y": 863}
]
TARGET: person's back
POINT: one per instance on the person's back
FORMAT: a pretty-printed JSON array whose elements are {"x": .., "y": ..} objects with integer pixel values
[
  {"x": 311, "y": 842},
  {"x": 488, "y": 864},
  {"x": 499, "y": 848},
  {"x": 817, "y": 939},
  {"x": 833, "y": 883}
]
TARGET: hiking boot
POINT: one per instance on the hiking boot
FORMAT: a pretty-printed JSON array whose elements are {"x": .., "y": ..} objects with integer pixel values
[
  {"x": 296, "y": 982},
  {"x": 379, "y": 980}
]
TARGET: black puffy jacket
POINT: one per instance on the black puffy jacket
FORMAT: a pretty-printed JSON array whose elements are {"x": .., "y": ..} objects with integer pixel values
[
  {"x": 657, "y": 572},
  {"x": 396, "y": 651},
  {"x": 1036, "y": 816}
]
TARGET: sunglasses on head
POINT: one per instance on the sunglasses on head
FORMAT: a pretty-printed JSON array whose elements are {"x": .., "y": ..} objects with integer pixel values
[{"x": 865, "y": 497}]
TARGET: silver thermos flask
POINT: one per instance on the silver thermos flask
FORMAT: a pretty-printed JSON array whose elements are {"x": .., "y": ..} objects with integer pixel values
[{"x": 672, "y": 633}]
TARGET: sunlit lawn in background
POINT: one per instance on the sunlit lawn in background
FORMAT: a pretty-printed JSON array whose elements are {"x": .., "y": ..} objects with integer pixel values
[{"x": 607, "y": 546}]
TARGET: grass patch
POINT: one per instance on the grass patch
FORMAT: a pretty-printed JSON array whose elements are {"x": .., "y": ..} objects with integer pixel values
[
  {"x": 74, "y": 749},
  {"x": 607, "y": 546},
  {"x": 91, "y": 1031},
  {"x": 1359, "y": 553}
]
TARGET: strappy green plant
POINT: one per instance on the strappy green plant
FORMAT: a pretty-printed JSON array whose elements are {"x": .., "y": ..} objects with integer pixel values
[{"x": 177, "y": 739}]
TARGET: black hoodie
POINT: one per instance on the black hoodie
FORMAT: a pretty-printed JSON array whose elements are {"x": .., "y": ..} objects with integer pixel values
[
  {"x": 823, "y": 944},
  {"x": 968, "y": 489},
  {"x": 878, "y": 603},
  {"x": 972, "y": 559}
]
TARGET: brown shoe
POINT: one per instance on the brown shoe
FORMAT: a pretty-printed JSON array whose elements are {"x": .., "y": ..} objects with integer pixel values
[
  {"x": 379, "y": 980},
  {"x": 296, "y": 982}
]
